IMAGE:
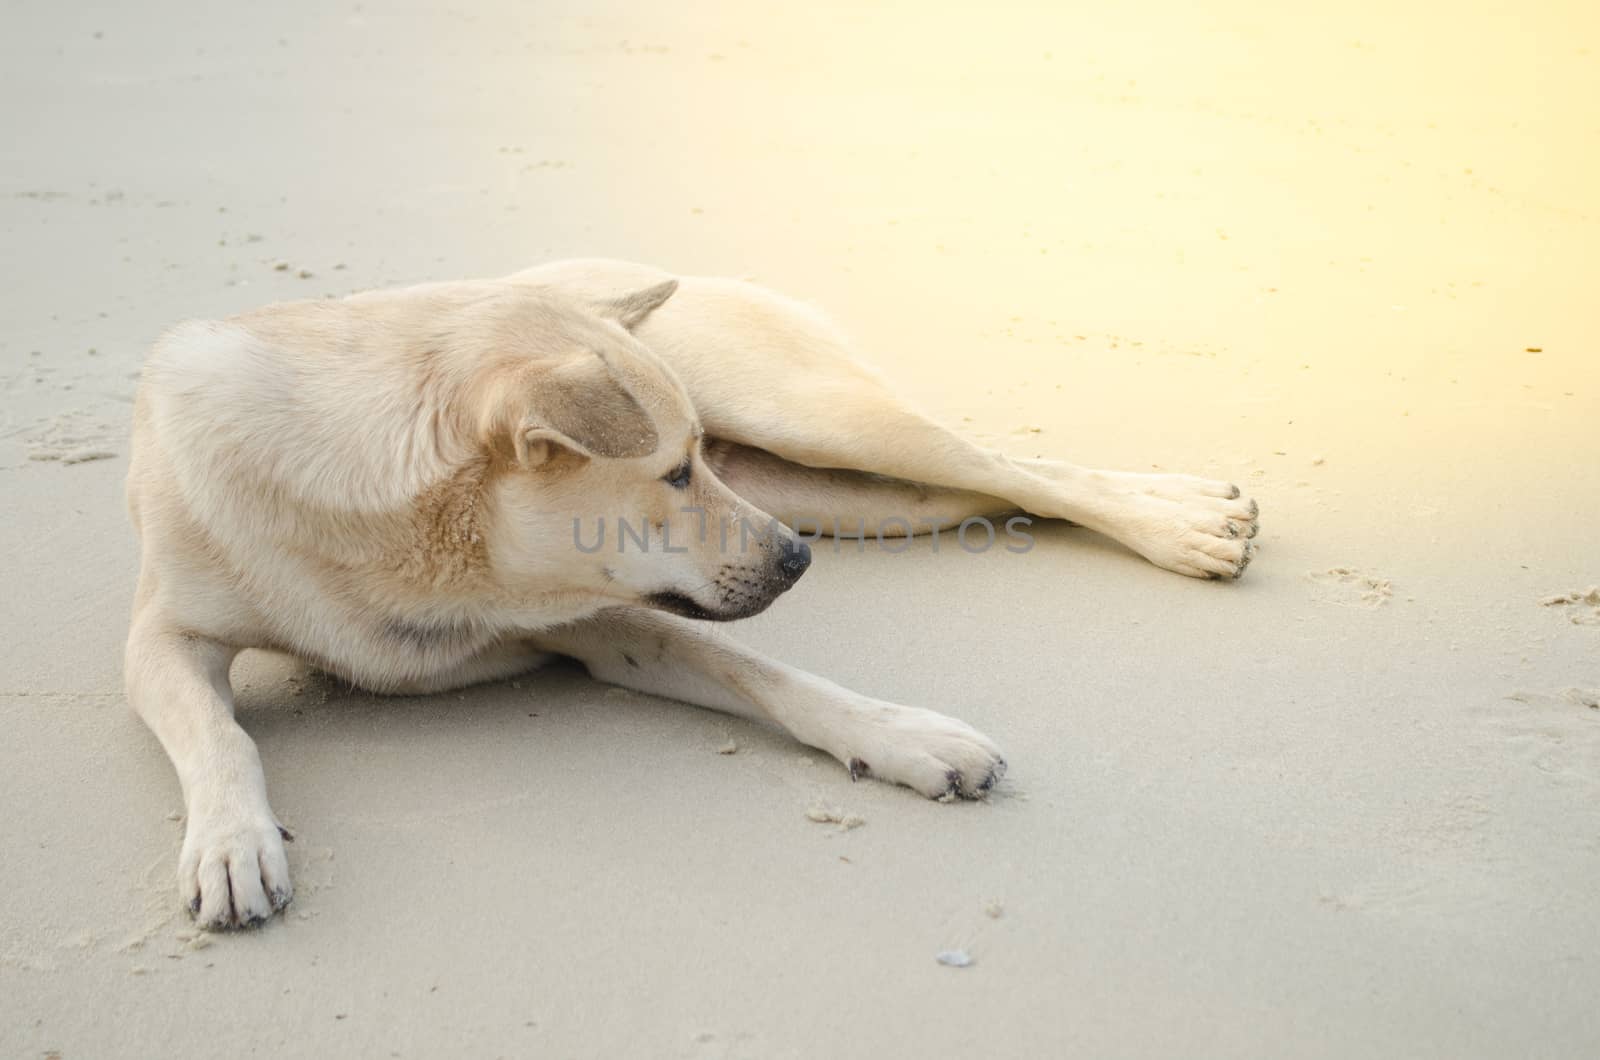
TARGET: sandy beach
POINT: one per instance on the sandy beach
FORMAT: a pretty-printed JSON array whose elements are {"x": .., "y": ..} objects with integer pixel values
[{"x": 1346, "y": 806}]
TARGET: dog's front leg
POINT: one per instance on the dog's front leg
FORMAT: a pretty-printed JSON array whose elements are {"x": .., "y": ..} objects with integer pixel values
[
  {"x": 691, "y": 661},
  {"x": 232, "y": 871}
]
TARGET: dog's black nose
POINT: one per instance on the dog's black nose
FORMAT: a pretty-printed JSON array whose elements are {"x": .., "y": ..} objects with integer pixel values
[{"x": 794, "y": 556}]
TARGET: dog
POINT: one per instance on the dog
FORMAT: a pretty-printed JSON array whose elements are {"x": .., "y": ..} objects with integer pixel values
[{"x": 404, "y": 489}]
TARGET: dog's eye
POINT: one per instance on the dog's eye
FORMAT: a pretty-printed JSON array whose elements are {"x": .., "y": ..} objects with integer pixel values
[{"x": 679, "y": 479}]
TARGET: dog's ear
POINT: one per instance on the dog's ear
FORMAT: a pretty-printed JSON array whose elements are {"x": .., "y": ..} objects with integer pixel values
[
  {"x": 571, "y": 408},
  {"x": 630, "y": 309},
  {"x": 536, "y": 446},
  {"x": 583, "y": 400}
]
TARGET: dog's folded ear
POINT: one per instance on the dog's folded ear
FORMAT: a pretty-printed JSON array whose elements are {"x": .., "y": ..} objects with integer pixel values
[
  {"x": 630, "y": 309},
  {"x": 542, "y": 411}
]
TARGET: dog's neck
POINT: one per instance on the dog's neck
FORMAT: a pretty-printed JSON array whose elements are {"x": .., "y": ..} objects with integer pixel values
[{"x": 442, "y": 545}]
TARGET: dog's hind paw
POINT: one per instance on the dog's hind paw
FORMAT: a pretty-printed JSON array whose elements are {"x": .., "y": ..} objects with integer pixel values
[{"x": 1193, "y": 526}]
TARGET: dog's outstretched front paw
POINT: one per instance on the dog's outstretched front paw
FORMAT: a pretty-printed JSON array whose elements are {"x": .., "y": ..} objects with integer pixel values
[
  {"x": 233, "y": 872},
  {"x": 936, "y": 755}
]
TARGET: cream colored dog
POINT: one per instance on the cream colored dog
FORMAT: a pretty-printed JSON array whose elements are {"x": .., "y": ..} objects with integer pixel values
[{"x": 405, "y": 487}]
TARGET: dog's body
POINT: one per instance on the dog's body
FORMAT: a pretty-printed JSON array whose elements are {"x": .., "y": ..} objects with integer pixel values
[{"x": 404, "y": 488}]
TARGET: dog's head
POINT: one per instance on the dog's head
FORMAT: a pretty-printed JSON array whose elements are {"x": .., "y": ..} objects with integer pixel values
[{"x": 601, "y": 491}]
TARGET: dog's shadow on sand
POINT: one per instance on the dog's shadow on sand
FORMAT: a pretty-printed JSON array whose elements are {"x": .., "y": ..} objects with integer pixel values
[
  {"x": 552, "y": 720},
  {"x": 278, "y": 695}
]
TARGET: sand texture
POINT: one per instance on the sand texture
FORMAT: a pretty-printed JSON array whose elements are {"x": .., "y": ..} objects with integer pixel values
[{"x": 1347, "y": 806}]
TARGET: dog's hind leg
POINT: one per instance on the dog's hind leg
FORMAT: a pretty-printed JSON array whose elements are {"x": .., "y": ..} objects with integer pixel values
[
  {"x": 692, "y": 661},
  {"x": 832, "y": 502},
  {"x": 1189, "y": 525},
  {"x": 794, "y": 391}
]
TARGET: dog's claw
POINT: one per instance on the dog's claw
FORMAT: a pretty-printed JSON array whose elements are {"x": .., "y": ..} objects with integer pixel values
[
  {"x": 288, "y": 837},
  {"x": 858, "y": 769},
  {"x": 992, "y": 779}
]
